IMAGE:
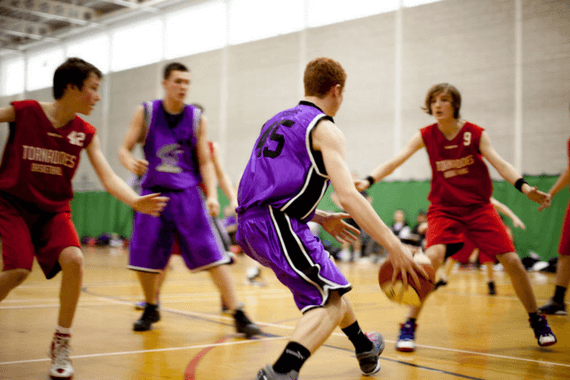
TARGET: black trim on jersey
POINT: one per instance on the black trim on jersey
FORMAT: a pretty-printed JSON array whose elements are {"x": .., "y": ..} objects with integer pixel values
[
  {"x": 317, "y": 156},
  {"x": 310, "y": 195},
  {"x": 299, "y": 258},
  {"x": 311, "y": 104}
]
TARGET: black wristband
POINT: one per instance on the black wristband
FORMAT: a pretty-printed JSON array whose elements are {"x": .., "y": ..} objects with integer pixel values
[
  {"x": 370, "y": 180},
  {"x": 519, "y": 184}
]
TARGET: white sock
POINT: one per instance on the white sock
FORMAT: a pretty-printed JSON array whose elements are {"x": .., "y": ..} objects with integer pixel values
[{"x": 63, "y": 330}]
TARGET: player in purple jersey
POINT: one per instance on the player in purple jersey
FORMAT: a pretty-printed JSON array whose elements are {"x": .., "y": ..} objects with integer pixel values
[
  {"x": 298, "y": 152},
  {"x": 177, "y": 159}
]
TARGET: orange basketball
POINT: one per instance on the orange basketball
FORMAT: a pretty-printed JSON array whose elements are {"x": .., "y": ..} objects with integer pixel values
[{"x": 412, "y": 296}]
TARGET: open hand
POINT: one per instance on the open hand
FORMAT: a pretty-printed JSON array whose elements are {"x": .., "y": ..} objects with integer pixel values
[
  {"x": 151, "y": 204},
  {"x": 334, "y": 224},
  {"x": 403, "y": 263},
  {"x": 138, "y": 167}
]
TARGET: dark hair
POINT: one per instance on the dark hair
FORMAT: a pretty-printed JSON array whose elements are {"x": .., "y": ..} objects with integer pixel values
[
  {"x": 174, "y": 66},
  {"x": 199, "y": 106},
  {"x": 443, "y": 88},
  {"x": 73, "y": 71},
  {"x": 322, "y": 74}
]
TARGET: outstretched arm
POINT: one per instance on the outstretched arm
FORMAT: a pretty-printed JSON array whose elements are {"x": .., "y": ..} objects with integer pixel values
[
  {"x": 561, "y": 182},
  {"x": 330, "y": 141},
  {"x": 7, "y": 114},
  {"x": 333, "y": 223},
  {"x": 151, "y": 204},
  {"x": 415, "y": 144},
  {"x": 508, "y": 172},
  {"x": 505, "y": 210}
]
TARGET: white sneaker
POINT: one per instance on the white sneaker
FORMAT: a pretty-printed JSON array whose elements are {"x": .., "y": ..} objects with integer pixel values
[{"x": 60, "y": 362}]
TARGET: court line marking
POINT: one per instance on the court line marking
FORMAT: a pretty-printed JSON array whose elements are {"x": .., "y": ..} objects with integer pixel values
[{"x": 209, "y": 317}]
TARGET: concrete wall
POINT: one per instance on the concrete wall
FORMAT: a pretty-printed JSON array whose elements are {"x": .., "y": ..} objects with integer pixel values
[{"x": 509, "y": 58}]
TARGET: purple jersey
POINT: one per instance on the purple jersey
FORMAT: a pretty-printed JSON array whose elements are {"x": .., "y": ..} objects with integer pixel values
[
  {"x": 170, "y": 151},
  {"x": 284, "y": 171}
]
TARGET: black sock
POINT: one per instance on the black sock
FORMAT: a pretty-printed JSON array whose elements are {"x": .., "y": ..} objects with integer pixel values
[
  {"x": 360, "y": 341},
  {"x": 412, "y": 321},
  {"x": 292, "y": 358},
  {"x": 533, "y": 317},
  {"x": 559, "y": 294}
]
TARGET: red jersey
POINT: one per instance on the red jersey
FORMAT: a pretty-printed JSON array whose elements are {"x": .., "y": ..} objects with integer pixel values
[
  {"x": 39, "y": 160},
  {"x": 460, "y": 177}
]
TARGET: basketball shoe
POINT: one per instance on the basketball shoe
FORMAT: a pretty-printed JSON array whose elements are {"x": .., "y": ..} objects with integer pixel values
[
  {"x": 553, "y": 307},
  {"x": 368, "y": 361},
  {"x": 245, "y": 325},
  {"x": 150, "y": 315},
  {"x": 406, "y": 341},
  {"x": 267, "y": 373},
  {"x": 59, "y": 352},
  {"x": 542, "y": 332}
]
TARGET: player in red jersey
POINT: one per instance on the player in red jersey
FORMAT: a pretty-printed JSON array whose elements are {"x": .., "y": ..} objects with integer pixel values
[
  {"x": 460, "y": 195},
  {"x": 40, "y": 159},
  {"x": 556, "y": 305}
]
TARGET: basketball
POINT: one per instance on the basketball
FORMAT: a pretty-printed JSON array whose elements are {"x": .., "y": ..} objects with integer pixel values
[{"x": 412, "y": 296}]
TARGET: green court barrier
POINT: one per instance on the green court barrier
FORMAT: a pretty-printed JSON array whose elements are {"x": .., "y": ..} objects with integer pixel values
[{"x": 96, "y": 213}]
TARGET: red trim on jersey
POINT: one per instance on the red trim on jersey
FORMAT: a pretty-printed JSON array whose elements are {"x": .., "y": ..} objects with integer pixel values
[{"x": 39, "y": 160}]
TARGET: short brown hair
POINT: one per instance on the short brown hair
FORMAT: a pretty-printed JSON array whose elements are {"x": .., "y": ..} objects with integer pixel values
[
  {"x": 443, "y": 88},
  {"x": 174, "y": 66},
  {"x": 73, "y": 71},
  {"x": 322, "y": 74}
]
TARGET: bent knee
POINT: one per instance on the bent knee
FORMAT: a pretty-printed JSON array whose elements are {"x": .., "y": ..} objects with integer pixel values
[
  {"x": 71, "y": 258},
  {"x": 17, "y": 276}
]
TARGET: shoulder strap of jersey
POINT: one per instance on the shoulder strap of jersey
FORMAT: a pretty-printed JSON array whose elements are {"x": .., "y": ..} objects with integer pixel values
[{"x": 148, "y": 110}]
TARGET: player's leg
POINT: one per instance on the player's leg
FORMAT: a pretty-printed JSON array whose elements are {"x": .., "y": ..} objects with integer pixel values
[
  {"x": 486, "y": 230},
  {"x": 406, "y": 341},
  {"x": 71, "y": 262},
  {"x": 490, "y": 272},
  {"x": 58, "y": 248},
  {"x": 17, "y": 248},
  {"x": 445, "y": 273},
  {"x": 150, "y": 250},
  {"x": 10, "y": 279},
  {"x": 199, "y": 236},
  {"x": 556, "y": 304},
  {"x": 366, "y": 354}
]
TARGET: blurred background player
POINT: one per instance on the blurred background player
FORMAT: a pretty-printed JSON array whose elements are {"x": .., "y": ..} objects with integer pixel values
[{"x": 177, "y": 159}]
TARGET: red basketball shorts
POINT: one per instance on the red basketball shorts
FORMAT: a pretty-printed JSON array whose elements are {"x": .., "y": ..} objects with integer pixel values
[
  {"x": 25, "y": 235},
  {"x": 564, "y": 247},
  {"x": 465, "y": 252},
  {"x": 480, "y": 224}
]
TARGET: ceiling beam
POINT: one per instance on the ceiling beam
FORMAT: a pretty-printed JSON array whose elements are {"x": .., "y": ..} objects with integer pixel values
[
  {"x": 53, "y": 10},
  {"x": 10, "y": 24}
]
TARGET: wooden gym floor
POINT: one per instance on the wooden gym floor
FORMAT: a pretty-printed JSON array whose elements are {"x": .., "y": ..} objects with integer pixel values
[{"x": 462, "y": 334}]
